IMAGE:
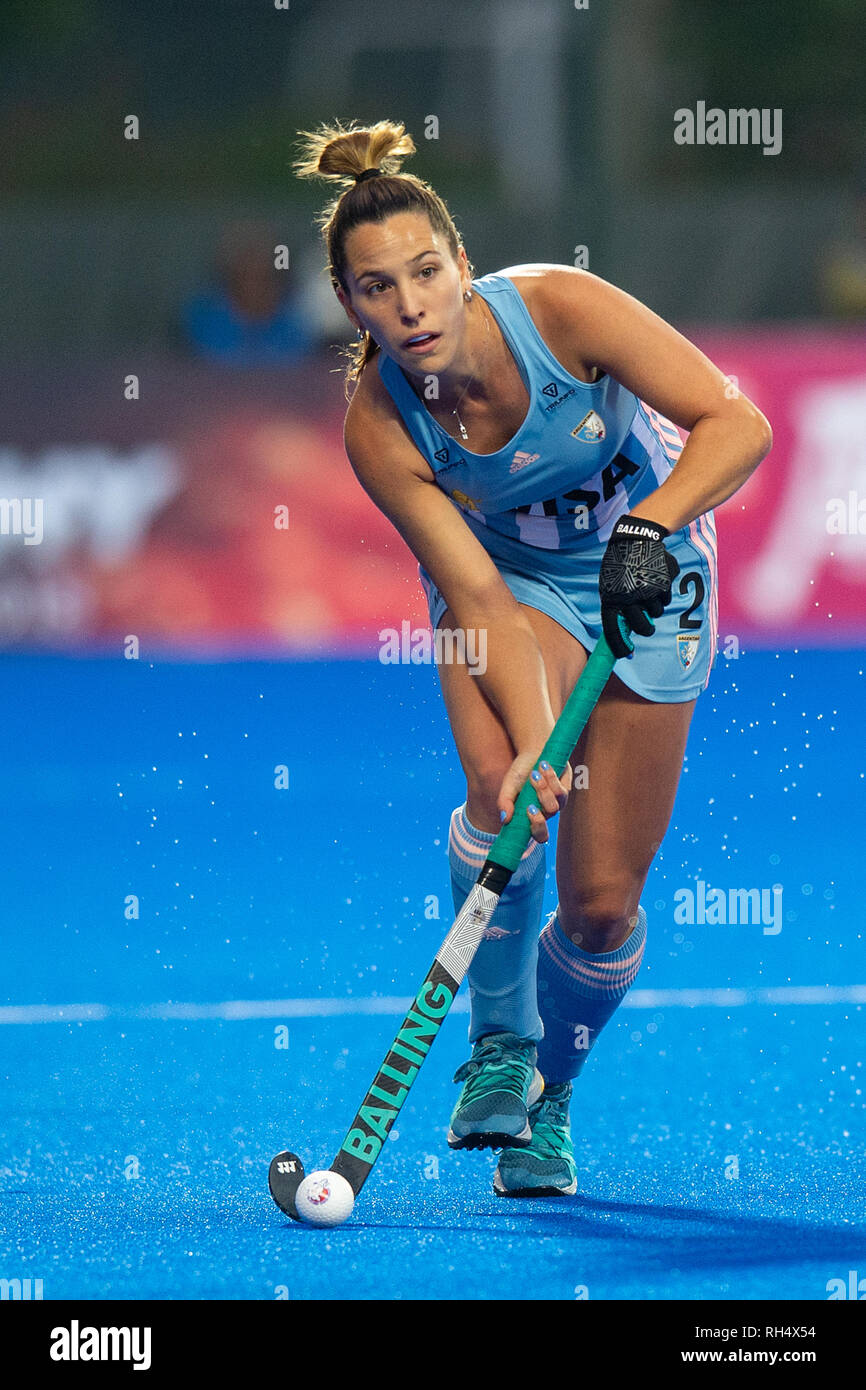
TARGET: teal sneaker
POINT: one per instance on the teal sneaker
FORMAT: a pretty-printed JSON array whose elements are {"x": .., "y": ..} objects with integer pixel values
[
  {"x": 545, "y": 1167},
  {"x": 500, "y": 1081}
]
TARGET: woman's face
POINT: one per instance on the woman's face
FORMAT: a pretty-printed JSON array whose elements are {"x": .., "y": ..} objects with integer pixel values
[{"x": 406, "y": 288}]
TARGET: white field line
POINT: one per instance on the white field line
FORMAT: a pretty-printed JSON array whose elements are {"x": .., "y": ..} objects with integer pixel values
[{"x": 396, "y": 1005}]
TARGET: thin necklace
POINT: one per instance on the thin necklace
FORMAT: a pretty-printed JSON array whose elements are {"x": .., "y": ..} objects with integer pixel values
[{"x": 464, "y": 433}]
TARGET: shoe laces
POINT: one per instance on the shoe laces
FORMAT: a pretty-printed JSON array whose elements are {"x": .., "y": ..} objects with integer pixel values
[
  {"x": 549, "y": 1121},
  {"x": 490, "y": 1055}
]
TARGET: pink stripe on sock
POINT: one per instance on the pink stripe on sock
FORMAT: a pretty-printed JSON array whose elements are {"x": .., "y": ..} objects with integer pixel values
[
  {"x": 469, "y": 848},
  {"x": 466, "y": 847},
  {"x": 599, "y": 976}
]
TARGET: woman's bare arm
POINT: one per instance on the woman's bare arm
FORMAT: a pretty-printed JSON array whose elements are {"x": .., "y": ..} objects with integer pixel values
[
  {"x": 397, "y": 478},
  {"x": 616, "y": 333}
]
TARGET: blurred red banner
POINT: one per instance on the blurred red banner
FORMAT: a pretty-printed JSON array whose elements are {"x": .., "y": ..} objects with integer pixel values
[
  {"x": 792, "y": 541},
  {"x": 217, "y": 513}
]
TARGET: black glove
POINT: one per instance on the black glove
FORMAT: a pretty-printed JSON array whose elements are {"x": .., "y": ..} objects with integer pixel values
[{"x": 635, "y": 580}]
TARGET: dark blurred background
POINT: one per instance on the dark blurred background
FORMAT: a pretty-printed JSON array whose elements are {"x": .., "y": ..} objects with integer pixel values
[
  {"x": 554, "y": 129},
  {"x": 549, "y": 130}
]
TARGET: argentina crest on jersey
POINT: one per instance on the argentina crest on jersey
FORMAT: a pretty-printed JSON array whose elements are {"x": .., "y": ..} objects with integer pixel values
[
  {"x": 687, "y": 647},
  {"x": 591, "y": 428}
]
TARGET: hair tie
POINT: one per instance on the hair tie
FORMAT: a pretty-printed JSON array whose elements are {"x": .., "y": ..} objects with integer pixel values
[{"x": 367, "y": 174}]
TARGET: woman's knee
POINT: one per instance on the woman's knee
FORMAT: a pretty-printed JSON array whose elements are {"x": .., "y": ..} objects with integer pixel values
[
  {"x": 600, "y": 917},
  {"x": 482, "y": 796}
]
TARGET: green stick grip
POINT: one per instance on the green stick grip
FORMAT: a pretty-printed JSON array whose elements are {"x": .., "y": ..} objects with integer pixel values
[{"x": 513, "y": 838}]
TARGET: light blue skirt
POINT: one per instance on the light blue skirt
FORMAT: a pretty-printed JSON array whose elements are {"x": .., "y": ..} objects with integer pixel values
[{"x": 671, "y": 666}]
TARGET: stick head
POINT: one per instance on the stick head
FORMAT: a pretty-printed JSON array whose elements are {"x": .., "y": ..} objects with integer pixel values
[{"x": 285, "y": 1176}]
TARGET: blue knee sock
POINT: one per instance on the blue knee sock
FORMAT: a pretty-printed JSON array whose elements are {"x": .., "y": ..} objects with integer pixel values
[
  {"x": 502, "y": 977},
  {"x": 577, "y": 994}
]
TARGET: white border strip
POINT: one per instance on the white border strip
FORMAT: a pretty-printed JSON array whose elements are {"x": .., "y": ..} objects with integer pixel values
[{"x": 393, "y": 1005}]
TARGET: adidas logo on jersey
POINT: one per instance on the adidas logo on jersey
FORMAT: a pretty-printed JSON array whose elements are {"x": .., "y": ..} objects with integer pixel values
[{"x": 522, "y": 460}]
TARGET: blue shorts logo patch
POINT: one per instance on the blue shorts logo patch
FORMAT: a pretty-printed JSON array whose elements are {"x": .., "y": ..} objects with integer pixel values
[{"x": 687, "y": 646}]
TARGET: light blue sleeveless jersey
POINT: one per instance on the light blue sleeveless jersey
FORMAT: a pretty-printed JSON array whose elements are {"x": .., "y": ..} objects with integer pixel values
[
  {"x": 583, "y": 456},
  {"x": 544, "y": 506}
]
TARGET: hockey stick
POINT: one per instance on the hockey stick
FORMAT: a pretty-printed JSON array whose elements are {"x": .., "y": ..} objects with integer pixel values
[{"x": 384, "y": 1099}]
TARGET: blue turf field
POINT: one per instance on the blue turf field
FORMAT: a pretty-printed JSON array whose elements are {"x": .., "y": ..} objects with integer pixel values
[{"x": 157, "y": 780}]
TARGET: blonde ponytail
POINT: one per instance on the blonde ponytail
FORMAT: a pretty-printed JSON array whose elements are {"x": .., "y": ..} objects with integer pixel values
[{"x": 342, "y": 154}]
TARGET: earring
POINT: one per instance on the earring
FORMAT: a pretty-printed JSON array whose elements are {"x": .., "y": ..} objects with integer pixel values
[
  {"x": 360, "y": 334},
  {"x": 467, "y": 295}
]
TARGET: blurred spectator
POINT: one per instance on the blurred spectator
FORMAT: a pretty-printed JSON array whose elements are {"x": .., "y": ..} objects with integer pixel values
[
  {"x": 250, "y": 315},
  {"x": 842, "y": 272}
]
